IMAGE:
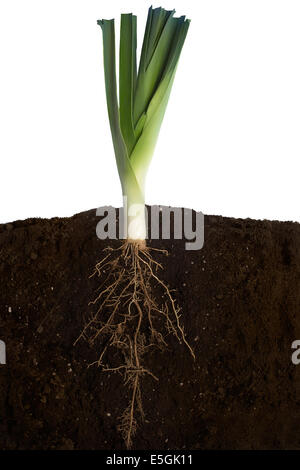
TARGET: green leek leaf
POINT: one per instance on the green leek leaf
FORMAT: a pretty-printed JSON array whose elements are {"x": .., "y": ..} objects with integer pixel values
[{"x": 144, "y": 96}]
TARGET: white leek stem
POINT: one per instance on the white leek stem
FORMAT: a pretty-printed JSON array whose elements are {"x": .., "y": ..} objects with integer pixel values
[{"x": 135, "y": 218}]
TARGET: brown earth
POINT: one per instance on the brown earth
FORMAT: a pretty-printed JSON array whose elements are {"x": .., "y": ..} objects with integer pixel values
[{"x": 240, "y": 297}]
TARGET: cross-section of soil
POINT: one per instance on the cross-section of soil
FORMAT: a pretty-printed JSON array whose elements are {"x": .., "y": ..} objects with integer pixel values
[{"x": 240, "y": 300}]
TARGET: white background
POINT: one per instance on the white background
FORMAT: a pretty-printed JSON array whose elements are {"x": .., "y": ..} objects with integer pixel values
[{"x": 229, "y": 144}]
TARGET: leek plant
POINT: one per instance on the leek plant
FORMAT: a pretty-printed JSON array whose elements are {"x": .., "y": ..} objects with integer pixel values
[
  {"x": 135, "y": 308},
  {"x": 136, "y": 119}
]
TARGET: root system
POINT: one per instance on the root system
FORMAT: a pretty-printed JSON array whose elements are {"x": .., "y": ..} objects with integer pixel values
[{"x": 131, "y": 319}]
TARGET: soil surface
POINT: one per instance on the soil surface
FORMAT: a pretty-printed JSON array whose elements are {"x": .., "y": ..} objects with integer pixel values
[{"x": 240, "y": 300}]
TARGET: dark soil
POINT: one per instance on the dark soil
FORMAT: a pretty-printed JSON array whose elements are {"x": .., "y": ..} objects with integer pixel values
[{"x": 240, "y": 299}]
